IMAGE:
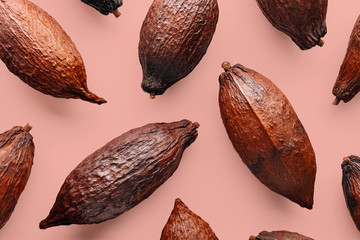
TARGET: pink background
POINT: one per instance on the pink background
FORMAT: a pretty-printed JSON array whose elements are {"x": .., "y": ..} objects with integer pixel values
[{"x": 211, "y": 179}]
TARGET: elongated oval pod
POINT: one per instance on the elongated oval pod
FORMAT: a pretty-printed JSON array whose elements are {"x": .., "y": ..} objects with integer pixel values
[
  {"x": 35, "y": 48},
  {"x": 121, "y": 174},
  {"x": 279, "y": 235},
  {"x": 16, "y": 160},
  {"x": 267, "y": 134},
  {"x": 105, "y": 6}
]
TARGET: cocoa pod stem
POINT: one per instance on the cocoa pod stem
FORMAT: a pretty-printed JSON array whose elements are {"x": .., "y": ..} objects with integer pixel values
[
  {"x": 226, "y": 66},
  {"x": 252, "y": 238},
  {"x": 321, "y": 43},
  {"x": 152, "y": 95},
  {"x": 27, "y": 128},
  {"x": 336, "y": 101},
  {"x": 116, "y": 12}
]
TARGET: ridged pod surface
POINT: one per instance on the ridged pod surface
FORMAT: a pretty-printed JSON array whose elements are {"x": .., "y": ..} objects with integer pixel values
[
  {"x": 35, "y": 48},
  {"x": 304, "y": 21},
  {"x": 121, "y": 174},
  {"x": 279, "y": 235},
  {"x": 105, "y": 6},
  {"x": 185, "y": 224},
  {"x": 267, "y": 134},
  {"x": 347, "y": 84},
  {"x": 351, "y": 186},
  {"x": 173, "y": 39},
  {"x": 16, "y": 160}
]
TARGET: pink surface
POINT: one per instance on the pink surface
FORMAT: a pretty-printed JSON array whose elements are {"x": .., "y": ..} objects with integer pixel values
[{"x": 211, "y": 179}]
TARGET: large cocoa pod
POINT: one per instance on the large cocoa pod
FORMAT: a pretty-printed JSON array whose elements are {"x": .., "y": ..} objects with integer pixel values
[
  {"x": 35, "y": 48},
  {"x": 279, "y": 235},
  {"x": 173, "y": 39},
  {"x": 121, "y": 174},
  {"x": 347, "y": 84},
  {"x": 105, "y": 6},
  {"x": 184, "y": 224},
  {"x": 302, "y": 20},
  {"x": 267, "y": 134},
  {"x": 351, "y": 186},
  {"x": 16, "y": 159}
]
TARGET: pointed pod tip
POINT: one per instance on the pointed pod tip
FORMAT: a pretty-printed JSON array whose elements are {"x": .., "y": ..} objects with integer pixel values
[
  {"x": 27, "y": 128},
  {"x": 320, "y": 43},
  {"x": 336, "y": 101},
  {"x": 226, "y": 66},
  {"x": 116, "y": 13}
]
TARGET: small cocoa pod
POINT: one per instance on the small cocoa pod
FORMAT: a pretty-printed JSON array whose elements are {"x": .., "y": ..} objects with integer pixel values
[
  {"x": 303, "y": 21},
  {"x": 279, "y": 235},
  {"x": 35, "y": 48},
  {"x": 105, "y": 6},
  {"x": 351, "y": 186},
  {"x": 184, "y": 224},
  {"x": 267, "y": 134},
  {"x": 173, "y": 39},
  {"x": 347, "y": 84},
  {"x": 16, "y": 159},
  {"x": 121, "y": 174}
]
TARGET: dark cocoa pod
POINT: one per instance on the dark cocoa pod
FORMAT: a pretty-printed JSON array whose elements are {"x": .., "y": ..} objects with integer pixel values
[
  {"x": 35, "y": 48},
  {"x": 351, "y": 186},
  {"x": 121, "y": 174},
  {"x": 279, "y": 235},
  {"x": 347, "y": 84},
  {"x": 304, "y": 21},
  {"x": 16, "y": 159},
  {"x": 184, "y": 224},
  {"x": 105, "y": 6},
  {"x": 173, "y": 39},
  {"x": 267, "y": 134}
]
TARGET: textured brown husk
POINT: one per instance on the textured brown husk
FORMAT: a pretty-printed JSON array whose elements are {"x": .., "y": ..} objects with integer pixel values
[
  {"x": 121, "y": 174},
  {"x": 105, "y": 6},
  {"x": 347, "y": 84},
  {"x": 304, "y": 21},
  {"x": 351, "y": 186},
  {"x": 279, "y": 235},
  {"x": 35, "y": 48},
  {"x": 267, "y": 134},
  {"x": 16, "y": 159},
  {"x": 173, "y": 39},
  {"x": 184, "y": 224}
]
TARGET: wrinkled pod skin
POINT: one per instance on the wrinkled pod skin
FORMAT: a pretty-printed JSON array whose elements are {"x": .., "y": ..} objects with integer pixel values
[
  {"x": 184, "y": 224},
  {"x": 351, "y": 186},
  {"x": 35, "y": 48},
  {"x": 279, "y": 235},
  {"x": 121, "y": 174},
  {"x": 105, "y": 6},
  {"x": 347, "y": 84},
  {"x": 173, "y": 39},
  {"x": 16, "y": 159},
  {"x": 267, "y": 134},
  {"x": 304, "y": 21}
]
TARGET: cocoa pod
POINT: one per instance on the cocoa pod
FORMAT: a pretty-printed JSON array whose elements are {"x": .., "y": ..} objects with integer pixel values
[
  {"x": 35, "y": 48},
  {"x": 173, "y": 39},
  {"x": 303, "y": 21},
  {"x": 105, "y": 6},
  {"x": 184, "y": 224},
  {"x": 121, "y": 174},
  {"x": 279, "y": 235},
  {"x": 351, "y": 186},
  {"x": 267, "y": 134},
  {"x": 16, "y": 159},
  {"x": 347, "y": 84}
]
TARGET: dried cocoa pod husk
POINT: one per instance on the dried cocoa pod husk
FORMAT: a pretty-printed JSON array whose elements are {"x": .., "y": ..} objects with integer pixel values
[
  {"x": 279, "y": 235},
  {"x": 173, "y": 39},
  {"x": 351, "y": 186},
  {"x": 16, "y": 159},
  {"x": 267, "y": 134},
  {"x": 35, "y": 48},
  {"x": 304, "y": 21},
  {"x": 105, "y": 6},
  {"x": 185, "y": 224},
  {"x": 121, "y": 174},
  {"x": 347, "y": 84}
]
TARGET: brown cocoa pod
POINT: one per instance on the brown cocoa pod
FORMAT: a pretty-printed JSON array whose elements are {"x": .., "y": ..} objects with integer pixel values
[
  {"x": 347, "y": 84},
  {"x": 35, "y": 48},
  {"x": 173, "y": 39},
  {"x": 279, "y": 235},
  {"x": 351, "y": 186},
  {"x": 184, "y": 224},
  {"x": 304, "y": 21},
  {"x": 121, "y": 174},
  {"x": 267, "y": 134},
  {"x": 105, "y": 6},
  {"x": 16, "y": 159}
]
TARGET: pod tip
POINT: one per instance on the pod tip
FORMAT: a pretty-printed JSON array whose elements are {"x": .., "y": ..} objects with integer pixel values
[
  {"x": 152, "y": 95},
  {"x": 27, "y": 128},
  {"x": 347, "y": 159},
  {"x": 226, "y": 66},
  {"x": 116, "y": 12},
  {"x": 196, "y": 124},
  {"x": 252, "y": 238},
  {"x": 336, "y": 101},
  {"x": 321, "y": 43}
]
